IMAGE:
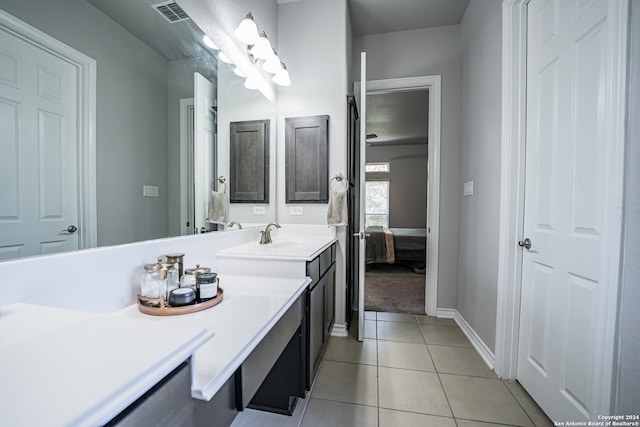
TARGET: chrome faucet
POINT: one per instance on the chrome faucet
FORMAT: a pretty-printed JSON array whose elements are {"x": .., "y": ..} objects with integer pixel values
[
  {"x": 232, "y": 223},
  {"x": 265, "y": 235}
]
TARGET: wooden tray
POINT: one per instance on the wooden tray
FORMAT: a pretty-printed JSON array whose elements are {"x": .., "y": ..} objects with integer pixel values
[{"x": 165, "y": 309}]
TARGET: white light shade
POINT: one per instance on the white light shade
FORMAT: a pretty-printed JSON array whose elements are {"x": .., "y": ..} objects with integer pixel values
[
  {"x": 282, "y": 77},
  {"x": 224, "y": 58},
  {"x": 272, "y": 64},
  {"x": 210, "y": 44},
  {"x": 249, "y": 85},
  {"x": 262, "y": 48},
  {"x": 247, "y": 31},
  {"x": 238, "y": 72}
]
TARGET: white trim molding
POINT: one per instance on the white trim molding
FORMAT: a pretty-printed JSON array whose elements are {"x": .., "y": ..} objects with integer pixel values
[
  {"x": 434, "y": 85},
  {"x": 484, "y": 350},
  {"x": 86, "y": 101},
  {"x": 339, "y": 330}
]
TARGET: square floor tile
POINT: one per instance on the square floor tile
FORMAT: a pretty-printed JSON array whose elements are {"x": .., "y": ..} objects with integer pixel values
[
  {"x": 444, "y": 335},
  {"x": 326, "y": 413},
  {"x": 256, "y": 418},
  {"x": 370, "y": 329},
  {"x": 459, "y": 360},
  {"x": 396, "y": 331},
  {"x": 483, "y": 399},
  {"x": 397, "y": 317},
  {"x": 413, "y": 391},
  {"x": 370, "y": 315},
  {"x": 436, "y": 321},
  {"x": 469, "y": 423},
  {"x": 537, "y": 415},
  {"x": 346, "y": 382},
  {"x": 390, "y": 418},
  {"x": 404, "y": 355},
  {"x": 348, "y": 349}
]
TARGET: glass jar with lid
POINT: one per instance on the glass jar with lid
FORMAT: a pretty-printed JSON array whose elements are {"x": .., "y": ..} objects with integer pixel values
[
  {"x": 152, "y": 285},
  {"x": 189, "y": 277}
]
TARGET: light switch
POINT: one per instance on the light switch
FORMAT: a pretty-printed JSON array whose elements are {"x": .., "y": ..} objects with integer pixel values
[
  {"x": 150, "y": 191},
  {"x": 296, "y": 210},
  {"x": 468, "y": 188},
  {"x": 259, "y": 210}
]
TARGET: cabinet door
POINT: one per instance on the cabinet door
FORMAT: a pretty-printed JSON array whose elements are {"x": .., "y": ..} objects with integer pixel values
[
  {"x": 329, "y": 300},
  {"x": 307, "y": 159},
  {"x": 316, "y": 327}
]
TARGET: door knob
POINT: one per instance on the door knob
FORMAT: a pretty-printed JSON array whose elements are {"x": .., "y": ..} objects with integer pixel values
[
  {"x": 361, "y": 235},
  {"x": 71, "y": 229},
  {"x": 526, "y": 243}
]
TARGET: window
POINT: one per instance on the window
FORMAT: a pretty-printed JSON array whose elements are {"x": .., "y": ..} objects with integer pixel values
[
  {"x": 377, "y": 167},
  {"x": 376, "y": 203}
]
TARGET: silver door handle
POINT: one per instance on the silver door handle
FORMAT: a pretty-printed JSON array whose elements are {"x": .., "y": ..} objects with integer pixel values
[
  {"x": 71, "y": 229},
  {"x": 526, "y": 243},
  {"x": 361, "y": 235}
]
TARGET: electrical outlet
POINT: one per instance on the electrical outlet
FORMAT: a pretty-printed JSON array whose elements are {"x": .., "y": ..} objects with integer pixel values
[
  {"x": 150, "y": 191},
  {"x": 468, "y": 188},
  {"x": 259, "y": 210},
  {"x": 296, "y": 210}
]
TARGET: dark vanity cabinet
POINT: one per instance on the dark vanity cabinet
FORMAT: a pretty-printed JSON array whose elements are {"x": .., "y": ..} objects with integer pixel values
[{"x": 321, "y": 308}]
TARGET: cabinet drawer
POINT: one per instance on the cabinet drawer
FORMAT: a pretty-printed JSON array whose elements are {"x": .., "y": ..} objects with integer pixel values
[
  {"x": 256, "y": 367},
  {"x": 326, "y": 260},
  {"x": 313, "y": 271}
]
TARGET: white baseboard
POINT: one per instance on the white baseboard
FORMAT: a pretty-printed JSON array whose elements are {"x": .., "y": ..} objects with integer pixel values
[
  {"x": 339, "y": 330},
  {"x": 484, "y": 351}
]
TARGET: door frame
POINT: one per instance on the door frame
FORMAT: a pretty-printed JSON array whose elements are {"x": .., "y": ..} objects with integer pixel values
[
  {"x": 512, "y": 174},
  {"x": 434, "y": 85},
  {"x": 86, "y": 120}
]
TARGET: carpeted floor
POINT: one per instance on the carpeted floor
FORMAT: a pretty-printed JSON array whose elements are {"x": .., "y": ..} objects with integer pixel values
[{"x": 394, "y": 289}]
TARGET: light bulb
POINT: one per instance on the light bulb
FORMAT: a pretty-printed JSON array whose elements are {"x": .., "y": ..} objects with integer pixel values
[
  {"x": 249, "y": 85},
  {"x": 224, "y": 58},
  {"x": 262, "y": 48},
  {"x": 272, "y": 64},
  {"x": 210, "y": 44},
  {"x": 247, "y": 31},
  {"x": 282, "y": 77}
]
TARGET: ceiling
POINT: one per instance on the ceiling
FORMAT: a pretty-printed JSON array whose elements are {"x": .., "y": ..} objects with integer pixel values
[
  {"x": 386, "y": 16},
  {"x": 398, "y": 118}
]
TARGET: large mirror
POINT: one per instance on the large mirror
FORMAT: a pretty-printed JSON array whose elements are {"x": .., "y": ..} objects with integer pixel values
[{"x": 144, "y": 79}]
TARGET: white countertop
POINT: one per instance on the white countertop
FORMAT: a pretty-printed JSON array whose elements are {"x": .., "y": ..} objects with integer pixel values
[
  {"x": 287, "y": 247},
  {"x": 62, "y": 367}
]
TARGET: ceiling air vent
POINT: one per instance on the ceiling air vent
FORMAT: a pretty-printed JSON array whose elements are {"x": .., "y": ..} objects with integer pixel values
[{"x": 171, "y": 11}]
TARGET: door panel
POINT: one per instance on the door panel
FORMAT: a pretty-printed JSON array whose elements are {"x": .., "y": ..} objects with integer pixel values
[
  {"x": 204, "y": 148},
  {"x": 363, "y": 159},
  {"x": 565, "y": 203},
  {"x": 38, "y": 123}
]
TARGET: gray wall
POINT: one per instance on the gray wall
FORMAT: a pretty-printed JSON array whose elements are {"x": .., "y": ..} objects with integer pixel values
[
  {"x": 480, "y": 35},
  {"x": 627, "y": 389},
  {"x": 407, "y": 185},
  {"x": 131, "y": 136},
  {"x": 425, "y": 52}
]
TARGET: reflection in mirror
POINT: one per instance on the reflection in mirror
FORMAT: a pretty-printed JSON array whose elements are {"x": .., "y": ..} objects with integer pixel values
[{"x": 144, "y": 80}]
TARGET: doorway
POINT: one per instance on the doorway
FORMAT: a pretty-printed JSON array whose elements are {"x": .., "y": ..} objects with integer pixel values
[
  {"x": 396, "y": 200},
  {"x": 432, "y": 84}
]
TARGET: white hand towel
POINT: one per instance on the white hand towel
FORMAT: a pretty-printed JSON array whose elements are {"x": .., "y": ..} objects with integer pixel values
[
  {"x": 337, "y": 210},
  {"x": 218, "y": 208}
]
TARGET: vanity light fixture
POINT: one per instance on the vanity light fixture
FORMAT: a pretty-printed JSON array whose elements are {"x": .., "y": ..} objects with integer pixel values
[
  {"x": 210, "y": 43},
  {"x": 262, "y": 48},
  {"x": 247, "y": 31},
  {"x": 282, "y": 77},
  {"x": 224, "y": 58},
  {"x": 272, "y": 64}
]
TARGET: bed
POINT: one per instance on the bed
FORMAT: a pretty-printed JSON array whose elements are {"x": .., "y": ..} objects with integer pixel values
[{"x": 390, "y": 245}]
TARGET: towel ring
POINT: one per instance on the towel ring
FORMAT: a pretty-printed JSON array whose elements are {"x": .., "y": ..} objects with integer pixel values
[
  {"x": 222, "y": 181},
  {"x": 338, "y": 178}
]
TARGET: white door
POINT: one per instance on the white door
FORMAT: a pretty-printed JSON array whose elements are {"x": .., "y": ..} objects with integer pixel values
[
  {"x": 564, "y": 284},
  {"x": 204, "y": 149},
  {"x": 38, "y": 142},
  {"x": 361, "y": 233}
]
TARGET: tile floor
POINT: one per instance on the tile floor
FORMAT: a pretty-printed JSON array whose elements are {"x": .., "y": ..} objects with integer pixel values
[{"x": 409, "y": 371}]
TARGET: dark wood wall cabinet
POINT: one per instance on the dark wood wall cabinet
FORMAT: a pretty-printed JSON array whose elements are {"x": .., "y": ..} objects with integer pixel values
[
  {"x": 249, "y": 161},
  {"x": 307, "y": 159}
]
